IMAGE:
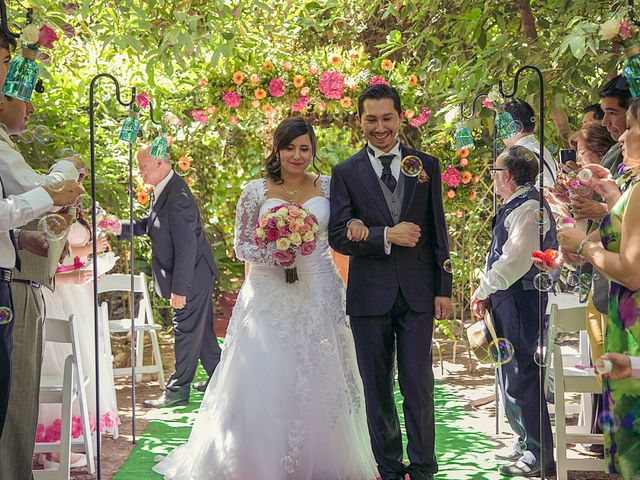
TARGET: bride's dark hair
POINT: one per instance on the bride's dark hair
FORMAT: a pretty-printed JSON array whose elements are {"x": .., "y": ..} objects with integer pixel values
[{"x": 288, "y": 130}]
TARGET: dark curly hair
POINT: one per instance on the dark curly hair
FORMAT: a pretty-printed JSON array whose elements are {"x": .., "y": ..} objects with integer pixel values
[{"x": 286, "y": 132}]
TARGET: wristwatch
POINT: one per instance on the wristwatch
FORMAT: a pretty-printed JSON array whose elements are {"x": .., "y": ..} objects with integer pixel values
[{"x": 581, "y": 245}]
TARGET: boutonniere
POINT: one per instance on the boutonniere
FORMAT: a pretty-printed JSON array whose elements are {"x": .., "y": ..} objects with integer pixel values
[{"x": 423, "y": 177}]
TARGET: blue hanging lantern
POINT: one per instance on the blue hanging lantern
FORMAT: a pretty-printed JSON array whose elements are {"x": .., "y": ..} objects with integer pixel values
[
  {"x": 631, "y": 69},
  {"x": 22, "y": 76},
  {"x": 130, "y": 127},
  {"x": 506, "y": 126},
  {"x": 159, "y": 147},
  {"x": 463, "y": 138}
]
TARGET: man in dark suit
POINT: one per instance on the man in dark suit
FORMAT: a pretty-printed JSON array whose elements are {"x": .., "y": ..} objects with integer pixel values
[
  {"x": 393, "y": 227},
  {"x": 183, "y": 270}
]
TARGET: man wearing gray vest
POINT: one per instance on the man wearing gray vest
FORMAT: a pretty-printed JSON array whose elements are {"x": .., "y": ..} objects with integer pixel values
[{"x": 393, "y": 227}]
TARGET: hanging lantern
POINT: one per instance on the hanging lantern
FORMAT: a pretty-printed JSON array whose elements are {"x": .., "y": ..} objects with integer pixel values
[
  {"x": 159, "y": 147},
  {"x": 22, "y": 76},
  {"x": 463, "y": 138},
  {"x": 506, "y": 126},
  {"x": 631, "y": 69},
  {"x": 130, "y": 127}
]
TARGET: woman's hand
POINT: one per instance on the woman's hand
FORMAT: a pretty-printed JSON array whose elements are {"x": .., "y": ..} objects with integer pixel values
[
  {"x": 570, "y": 238},
  {"x": 357, "y": 231},
  {"x": 102, "y": 244},
  {"x": 621, "y": 366}
]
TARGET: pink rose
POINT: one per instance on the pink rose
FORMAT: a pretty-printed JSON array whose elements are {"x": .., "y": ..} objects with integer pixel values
[
  {"x": 202, "y": 82},
  {"x": 294, "y": 227},
  {"x": 307, "y": 248},
  {"x": 313, "y": 70},
  {"x": 625, "y": 30},
  {"x": 464, "y": 162},
  {"x": 300, "y": 104},
  {"x": 284, "y": 232},
  {"x": 304, "y": 92},
  {"x": 305, "y": 228},
  {"x": 76, "y": 427},
  {"x": 287, "y": 66},
  {"x": 143, "y": 100},
  {"x": 272, "y": 235},
  {"x": 47, "y": 36},
  {"x": 378, "y": 80},
  {"x": 276, "y": 87},
  {"x": 281, "y": 257},
  {"x": 231, "y": 98},
  {"x": 487, "y": 104},
  {"x": 200, "y": 116},
  {"x": 452, "y": 177},
  {"x": 233, "y": 120},
  {"x": 331, "y": 85}
]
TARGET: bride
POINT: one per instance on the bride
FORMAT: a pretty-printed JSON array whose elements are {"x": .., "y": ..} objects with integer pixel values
[{"x": 286, "y": 401}]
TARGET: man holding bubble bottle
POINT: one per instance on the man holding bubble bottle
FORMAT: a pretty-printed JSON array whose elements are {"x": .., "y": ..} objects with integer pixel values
[
  {"x": 510, "y": 288},
  {"x": 17, "y": 441}
]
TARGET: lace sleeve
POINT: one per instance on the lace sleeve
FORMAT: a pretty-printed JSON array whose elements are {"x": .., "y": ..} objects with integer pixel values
[
  {"x": 325, "y": 184},
  {"x": 247, "y": 212}
]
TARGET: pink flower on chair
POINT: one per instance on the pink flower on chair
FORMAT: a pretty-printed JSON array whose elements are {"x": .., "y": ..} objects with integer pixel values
[
  {"x": 40, "y": 434},
  {"x": 76, "y": 427},
  {"x": 107, "y": 422},
  {"x": 52, "y": 432}
]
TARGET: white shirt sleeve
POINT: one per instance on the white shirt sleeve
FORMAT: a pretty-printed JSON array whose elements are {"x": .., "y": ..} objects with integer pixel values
[
  {"x": 18, "y": 177},
  {"x": 522, "y": 226},
  {"x": 387, "y": 245},
  {"x": 18, "y": 210},
  {"x": 635, "y": 367}
]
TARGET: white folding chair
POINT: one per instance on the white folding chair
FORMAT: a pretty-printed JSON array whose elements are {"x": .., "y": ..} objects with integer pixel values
[
  {"x": 569, "y": 379},
  {"x": 106, "y": 351},
  {"x": 143, "y": 323},
  {"x": 65, "y": 389}
]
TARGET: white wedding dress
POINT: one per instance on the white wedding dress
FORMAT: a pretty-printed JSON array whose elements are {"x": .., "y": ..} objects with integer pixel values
[{"x": 286, "y": 400}]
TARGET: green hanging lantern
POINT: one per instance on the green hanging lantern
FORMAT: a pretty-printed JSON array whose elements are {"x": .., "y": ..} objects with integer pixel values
[
  {"x": 159, "y": 147},
  {"x": 130, "y": 127},
  {"x": 22, "y": 76},
  {"x": 631, "y": 69},
  {"x": 463, "y": 138},
  {"x": 506, "y": 126}
]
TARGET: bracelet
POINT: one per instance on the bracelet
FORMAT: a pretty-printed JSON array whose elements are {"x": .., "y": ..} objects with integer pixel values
[{"x": 581, "y": 246}]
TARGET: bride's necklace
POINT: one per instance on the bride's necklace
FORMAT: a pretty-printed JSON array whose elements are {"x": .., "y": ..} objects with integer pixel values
[{"x": 293, "y": 193}]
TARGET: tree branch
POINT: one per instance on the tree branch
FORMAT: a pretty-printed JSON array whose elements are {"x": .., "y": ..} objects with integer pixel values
[{"x": 528, "y": 20}]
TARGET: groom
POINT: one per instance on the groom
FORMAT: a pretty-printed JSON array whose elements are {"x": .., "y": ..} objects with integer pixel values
[
  {"x": 397, "y": 280},
  {"x": 183, "y": 271}
]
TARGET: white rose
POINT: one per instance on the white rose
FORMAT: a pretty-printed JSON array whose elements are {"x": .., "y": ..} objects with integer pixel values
[
  {"x": 609, "y": 29},
  {"x": 30, "y": 34},
  {"x": 295, "y": 238},
  {"x": 308, "y": 237}
]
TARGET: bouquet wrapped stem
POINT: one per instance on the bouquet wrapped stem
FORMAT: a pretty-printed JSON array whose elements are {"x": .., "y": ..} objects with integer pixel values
[{"x": 291, "y": 274}]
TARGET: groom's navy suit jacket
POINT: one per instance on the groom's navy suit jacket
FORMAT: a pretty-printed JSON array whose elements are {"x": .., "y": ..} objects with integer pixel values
[
  {"x": 374, "y": 277},
  {"x": 181, "y": 258}
]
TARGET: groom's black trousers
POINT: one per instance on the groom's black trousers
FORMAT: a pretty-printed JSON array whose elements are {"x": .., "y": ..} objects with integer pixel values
[
  {"x": 195, "y": 337},
  {"x": 378, "y": 340}
]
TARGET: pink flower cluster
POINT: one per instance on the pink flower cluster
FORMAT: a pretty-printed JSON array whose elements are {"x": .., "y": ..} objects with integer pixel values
[
  {"x": 425, "y": 115},
  {"x": 143, "y": 100},
  {"x": 47, "y": 36},
  {"x": 331, "y": 85},
  {"x": 52, "y": 432},
  {"x": 378, "y": 80},
  {"x": 231, "y": 98},
  {"x": 300, "y": 104},
  {"x": 452, "y": 177},
  {"x": 200, "y": 116},
  {"x": 276, "y": 87},
  {"x": 286, "y": 230}
]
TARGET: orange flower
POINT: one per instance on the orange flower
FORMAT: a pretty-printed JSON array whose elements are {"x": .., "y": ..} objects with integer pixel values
[
  {"x": 412, "y": 80},
  {"x": 169, "y": 140},
  {"x": 386, "y": 65},
  {"x": 476, "y": 179},
  {"x": 266, "y": 108},
  {"x": 202, "y": 82},
  {"x": 451, "y": 194},
  {"x": 255, "y": 103},
  {"x": 321, "y": 106},
  {"x": 464, "y": 162},
  {"x": 267, "y": 65},
  {"x": 409, "y": 113},
  {"x": 260, "y": 93},
  {"x": 473, "y": 195},
  {"x": 466, "y": 177},
  {"x": 459, "y": 213},
  {"x": 254, "y": 78},
  {"x": 238, "y": 78},
  {"x": 184, "y": 163},
  {"x": 143, "y": 197},
  {"x": 298, "y": 81},
  {"x": 313, "y": 70},
  {"x": 147, "y": 188},
  {"x": 287, "y": 65},
  {"x": 335, "y": 59},
  {"x": 304, "y": 92},
  {"x": 188, "y": 181},
  {"x": 463, "y": 152},
  {"x": 233, "y": 120},
  {"x": 211, "y": 109},
  {"x": 345, "y": 102}
]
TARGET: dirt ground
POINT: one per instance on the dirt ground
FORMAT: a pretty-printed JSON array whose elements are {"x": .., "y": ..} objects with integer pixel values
[{"x": 470, "y": 380}]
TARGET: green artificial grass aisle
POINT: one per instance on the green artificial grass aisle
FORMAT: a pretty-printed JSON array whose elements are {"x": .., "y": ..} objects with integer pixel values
[{"x": 462, "y": 453}]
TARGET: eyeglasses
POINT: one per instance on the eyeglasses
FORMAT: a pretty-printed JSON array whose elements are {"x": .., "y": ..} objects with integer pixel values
[{"x": 492, "y": 171}]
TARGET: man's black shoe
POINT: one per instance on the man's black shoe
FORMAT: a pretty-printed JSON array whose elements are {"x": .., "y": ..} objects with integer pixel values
[
  {"x": 522, "y": 469},
  {"x": 201, "y": 386},
  {"x": 166, "y": 401}
]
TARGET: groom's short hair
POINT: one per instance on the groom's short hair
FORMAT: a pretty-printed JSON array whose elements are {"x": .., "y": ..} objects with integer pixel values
[{"x": 378, "y": 92}]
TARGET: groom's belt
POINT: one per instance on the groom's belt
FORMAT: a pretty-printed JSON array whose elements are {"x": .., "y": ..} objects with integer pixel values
[
  {"x": 5, "y": 275},
  {"x": 30, "y": 283}
]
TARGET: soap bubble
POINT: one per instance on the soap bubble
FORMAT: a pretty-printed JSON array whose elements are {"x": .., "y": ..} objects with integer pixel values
[
  {"x": 447, "y": 266},
  {"x": 607, "y": 422},
  {"x": 6, "y": 315},
  {"x": 411, "y": 166},
  {"x": 573, "y": 279},
  {"x": 53, "y": 226},
  {"x": 326, "y": 348},
  {"x": 42, "y": 134},
  {"x": 543, "y": 282},
  {"x": 502, "y": 351},
  {"x": 289, "y": 464}
]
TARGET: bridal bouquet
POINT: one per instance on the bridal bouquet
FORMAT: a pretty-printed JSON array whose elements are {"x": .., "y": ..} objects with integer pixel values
[{"x": 286, "y": 231}]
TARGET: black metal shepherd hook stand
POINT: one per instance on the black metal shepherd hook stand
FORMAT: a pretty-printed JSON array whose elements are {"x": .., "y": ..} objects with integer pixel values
[
  {"x": 4, "y": 20},
  {"x": 541, "y": 309},
  {"x": 494, "y": 203},
  {"x": 94, "y": 82}
]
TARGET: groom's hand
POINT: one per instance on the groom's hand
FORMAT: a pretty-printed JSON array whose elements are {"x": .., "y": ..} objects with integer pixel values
[
  {"x": 404, "y": 234},
  {"x": 178, "y": 301},
  {"x": 443, "y": 307},
  {"x": 357, "y": 231}
]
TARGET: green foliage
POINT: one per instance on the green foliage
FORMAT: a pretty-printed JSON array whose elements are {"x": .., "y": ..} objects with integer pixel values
[{"x": 456, "y": 49}]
